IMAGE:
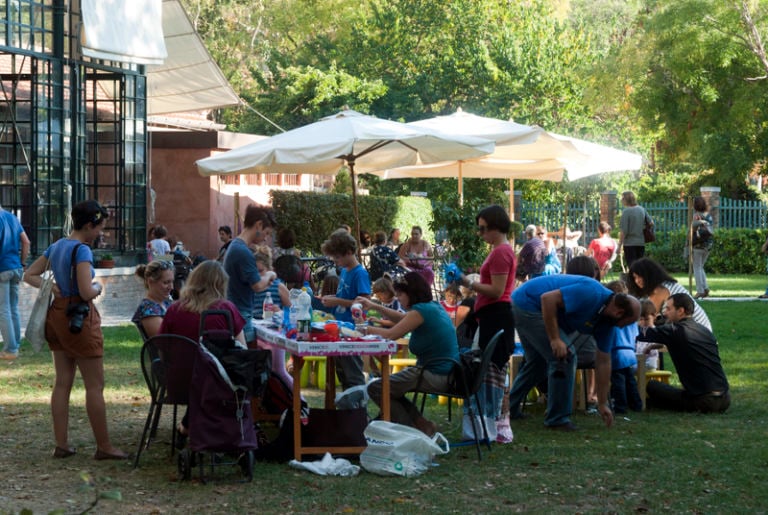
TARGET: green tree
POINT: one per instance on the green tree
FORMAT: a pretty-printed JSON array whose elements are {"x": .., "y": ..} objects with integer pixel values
[{"x": 701, "y": 87}]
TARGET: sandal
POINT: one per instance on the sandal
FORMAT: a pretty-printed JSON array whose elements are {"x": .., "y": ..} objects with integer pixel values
[
  {"x": 61, "y": 452},
  {"x": 104, "y": 455}
]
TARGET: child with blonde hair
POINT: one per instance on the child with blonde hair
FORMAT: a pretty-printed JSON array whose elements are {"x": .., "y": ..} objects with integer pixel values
[{"x": 384, "y": 291}]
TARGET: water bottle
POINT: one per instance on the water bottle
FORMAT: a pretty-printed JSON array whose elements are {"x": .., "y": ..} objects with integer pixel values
[
  {"x": 286, "y": 325},
  {"x": 267, "y": 307},
  {"x": 304, "y": 314},
  {"x": 294, "y": 309}
]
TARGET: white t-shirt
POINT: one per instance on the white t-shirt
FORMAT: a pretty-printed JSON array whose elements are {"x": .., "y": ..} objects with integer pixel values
[{"x": 160, "y": 247}]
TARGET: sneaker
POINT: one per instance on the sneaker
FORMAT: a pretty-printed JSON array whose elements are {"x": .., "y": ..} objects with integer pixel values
[
  {"x": 9, "y": 356},
  {"x": 568, "y": 427}
]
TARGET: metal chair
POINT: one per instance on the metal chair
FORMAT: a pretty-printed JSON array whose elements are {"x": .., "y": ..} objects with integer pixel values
[
  {"x": 166, "y": 363},
  {"x": 466, "y": 388}
]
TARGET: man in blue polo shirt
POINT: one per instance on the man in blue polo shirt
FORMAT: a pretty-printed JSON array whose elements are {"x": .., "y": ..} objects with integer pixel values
[
  {"x": 548, "y": 310},
  {"x": 14, "y": 248}
]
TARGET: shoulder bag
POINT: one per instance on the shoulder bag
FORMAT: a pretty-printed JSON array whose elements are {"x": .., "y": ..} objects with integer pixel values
[
  {"x": 649, "y": 233},
  {"x": 35, "y": 331}
]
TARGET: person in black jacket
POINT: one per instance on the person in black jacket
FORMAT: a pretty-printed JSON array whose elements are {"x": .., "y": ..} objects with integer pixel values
[{"x": 693, "y": 349}]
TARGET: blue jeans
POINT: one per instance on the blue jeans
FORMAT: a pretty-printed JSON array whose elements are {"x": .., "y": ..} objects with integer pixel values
[
  {"x": 10, "y": 320},
  {"x": 540, "y": 363},
  {"x": 699, "y": 259},
  {"x": 624, "y": 392}
]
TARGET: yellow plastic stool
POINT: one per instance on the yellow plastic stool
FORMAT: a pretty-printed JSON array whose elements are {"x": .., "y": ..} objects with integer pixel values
[
  {"x": 658, "y": 375},
  {"x": 397, "y": 364},
  {"x": 316, "y": 365}
]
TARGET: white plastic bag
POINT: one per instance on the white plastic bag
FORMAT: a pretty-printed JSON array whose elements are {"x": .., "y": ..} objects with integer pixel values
[
  {"x": 353, "y": 398},
  {"x": 398, "y": 450},
  {"x": 327, "y": 466},
  {"x": 35, "y": 331}
]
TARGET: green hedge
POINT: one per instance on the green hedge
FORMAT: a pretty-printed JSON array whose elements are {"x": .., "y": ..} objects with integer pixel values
[
  {"x": 313, "y": 216},
  {"x": 735, "y": 251}
]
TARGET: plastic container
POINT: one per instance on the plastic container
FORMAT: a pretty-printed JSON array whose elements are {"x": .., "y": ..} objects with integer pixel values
[
  {"x": 294, "y": 296},
  {"x": 358, "y": 313},
  {"x": 304, "y": 314},
  {"x": 267, "y": 307}
]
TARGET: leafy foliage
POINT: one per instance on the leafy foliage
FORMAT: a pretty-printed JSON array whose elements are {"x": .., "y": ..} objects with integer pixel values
[
  {"x": 735, "y": 251},
  {"x": 314, "y": 216},
  {"x": 681, "y": 80},
  {"x": 698, "y": 91}
]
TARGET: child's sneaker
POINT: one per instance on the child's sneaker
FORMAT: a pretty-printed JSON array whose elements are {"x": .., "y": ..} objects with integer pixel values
[{"x": 9, "y": 356}]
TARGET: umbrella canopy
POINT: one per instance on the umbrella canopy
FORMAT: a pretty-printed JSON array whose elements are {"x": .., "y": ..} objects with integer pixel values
[
  {"x": 362, "y": 142},
  {"x": 600, "y": 159},
  {"x": 522, "y": 152}
]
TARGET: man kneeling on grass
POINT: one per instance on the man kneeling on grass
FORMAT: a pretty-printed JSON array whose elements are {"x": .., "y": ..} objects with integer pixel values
[{"x": 693, "y": 349}]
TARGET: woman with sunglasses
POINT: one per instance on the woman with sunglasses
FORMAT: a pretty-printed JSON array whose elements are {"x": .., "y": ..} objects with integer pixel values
[
  {"x": 433, "y": 341},
  {"x": 493, "y": 311},
  {"x": 71, "y": 260},
  {"x": 158, "y": 280}
]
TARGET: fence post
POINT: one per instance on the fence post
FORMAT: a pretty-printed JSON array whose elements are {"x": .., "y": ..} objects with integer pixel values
[
  {"x": 712, "y": 195},
  {"x": 608, "y": 207},
  {"x": 518, "y": 214}
]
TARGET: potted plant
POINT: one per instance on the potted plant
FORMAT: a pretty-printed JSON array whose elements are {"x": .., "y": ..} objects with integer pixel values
[{"x": 106, "y": 261}]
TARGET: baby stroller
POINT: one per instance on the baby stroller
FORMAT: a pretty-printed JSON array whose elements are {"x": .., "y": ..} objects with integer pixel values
[
  {"x": 182, "y": 265},
  {"x": 224, "y": 378}
]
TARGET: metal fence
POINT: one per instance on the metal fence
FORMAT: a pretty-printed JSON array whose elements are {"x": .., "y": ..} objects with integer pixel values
[
  {"x": 577, "y": 216},
  {"x": 743, "y": 214},
  {"x": 667, "y": 216}
]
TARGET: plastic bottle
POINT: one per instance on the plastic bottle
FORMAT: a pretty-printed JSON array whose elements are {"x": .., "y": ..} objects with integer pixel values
[
  {"x": 286, "y": 326},
  {"x": 304, "y": 314},
  {"x": 268, "y": 306},
  {"x": 308, "y": 288},
  {"x": 294, "y": 297}
]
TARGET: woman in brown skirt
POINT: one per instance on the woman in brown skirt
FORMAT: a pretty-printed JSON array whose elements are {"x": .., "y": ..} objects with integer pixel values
[{"x": 73, "y": 328}]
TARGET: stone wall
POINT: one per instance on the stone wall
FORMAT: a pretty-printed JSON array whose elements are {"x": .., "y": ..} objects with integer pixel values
[{"x": 121, "y": 295}]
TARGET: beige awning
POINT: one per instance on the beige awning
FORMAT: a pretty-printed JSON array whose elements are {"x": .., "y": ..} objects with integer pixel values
[
  {"x": 189, "y": 80},
  {"x": 117, "y": 30}
]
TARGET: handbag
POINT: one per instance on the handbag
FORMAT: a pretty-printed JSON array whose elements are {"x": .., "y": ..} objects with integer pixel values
[
  {"x": 35, "y": 331},
  {"x": 649, "y": 233}
]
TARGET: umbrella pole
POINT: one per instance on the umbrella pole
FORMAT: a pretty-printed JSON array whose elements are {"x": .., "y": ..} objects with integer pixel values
[
  {"x": 355, "y": 213},
  {"x": 461, "y": 185}
]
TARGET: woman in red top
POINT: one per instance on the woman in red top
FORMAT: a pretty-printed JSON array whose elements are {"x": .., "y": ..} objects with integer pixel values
[
  {"x": 603, "y": 249},
  {"x": 493, "y": 309}
]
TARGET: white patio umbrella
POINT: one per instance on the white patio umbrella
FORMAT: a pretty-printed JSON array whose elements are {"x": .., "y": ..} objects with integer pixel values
[
  {"x": 522, "y": 152},
  {"x": 362, "y": 142}
]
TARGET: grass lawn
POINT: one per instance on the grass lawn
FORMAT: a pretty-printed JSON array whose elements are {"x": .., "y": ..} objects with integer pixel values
[
  {"x": 729, "y": 285},
  {"x": 648, "y": 462}
]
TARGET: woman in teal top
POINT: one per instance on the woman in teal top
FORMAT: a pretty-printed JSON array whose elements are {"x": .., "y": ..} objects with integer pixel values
[{"x": 432, "y": 336}]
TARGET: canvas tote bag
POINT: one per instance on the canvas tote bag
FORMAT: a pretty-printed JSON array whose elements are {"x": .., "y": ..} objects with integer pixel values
[{"x": 35, "y": 331}]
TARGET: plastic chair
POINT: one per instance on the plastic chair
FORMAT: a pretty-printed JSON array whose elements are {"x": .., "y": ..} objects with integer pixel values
[
  {"x": 465, "y": 390},
  {"x": 166, "y": 363}
]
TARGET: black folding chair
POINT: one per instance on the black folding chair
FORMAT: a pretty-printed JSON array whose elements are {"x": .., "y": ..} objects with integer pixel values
[
  {"x": 166, "y": 363},
  {"x": 465, "y": 388}
]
